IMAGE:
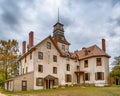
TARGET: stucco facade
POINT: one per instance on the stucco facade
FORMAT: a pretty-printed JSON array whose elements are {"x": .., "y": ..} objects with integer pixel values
[{"x": 49, "y": 64}]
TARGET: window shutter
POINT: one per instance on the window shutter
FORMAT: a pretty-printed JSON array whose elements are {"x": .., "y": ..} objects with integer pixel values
[
  {"x": 70, "y": 78},
  {"x": 36, "y": 81},
  {"x": 42, "y": 81},
  {"x": 96, "y": 76},
  {"x": 65, "y": 78},
  {"x": 102, "y": 75},
  {"x": 84, "y": 77}
]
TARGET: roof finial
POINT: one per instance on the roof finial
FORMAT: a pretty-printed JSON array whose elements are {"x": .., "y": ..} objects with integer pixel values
[{"x": 58, "y": 14}]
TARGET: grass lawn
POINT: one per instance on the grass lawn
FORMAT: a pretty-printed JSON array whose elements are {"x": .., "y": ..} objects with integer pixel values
[{"x": 71, "y": 91}]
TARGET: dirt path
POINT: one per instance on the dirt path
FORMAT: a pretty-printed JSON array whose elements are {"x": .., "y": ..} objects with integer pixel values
[{"x": 2, "y": 94}]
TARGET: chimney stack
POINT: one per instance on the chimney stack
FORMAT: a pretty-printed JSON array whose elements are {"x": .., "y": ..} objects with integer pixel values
[
  {"x": 23, "y": 47},
  {"x": 31, "y": 38},
  {"x": 103, "y": 45}
]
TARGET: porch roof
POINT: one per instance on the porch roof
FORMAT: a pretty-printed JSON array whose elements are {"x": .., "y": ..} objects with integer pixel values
[
  {"x": 79, "y": 72},
  {"x": 50, "y": 77}
]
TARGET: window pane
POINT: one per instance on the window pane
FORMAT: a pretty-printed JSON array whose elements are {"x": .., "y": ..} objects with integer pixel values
[
  {"x": 55, "y": 70},
  {"x": 54, "y": 58},
  {"x": 40, "y": 55},
  {"x": 63, "y": 47},
  {"x": 99, "y": 75},
  {"x": 86, "y": 63},
  {"x": 40, "y": 68},
  {"x": 48, "y": 45},
  {"x": 30, "y": 55},
  {"x": 68, "y": 78},
  {"x": 39, "y": 81},
  {"x": 68, "y": 67},
  {"x": 99, "y": 62},
  {"x": 87, "y": 76}
]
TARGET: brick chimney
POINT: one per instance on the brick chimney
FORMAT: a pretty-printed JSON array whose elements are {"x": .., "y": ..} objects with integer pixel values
[
  {"x": 23, "y": 47},
  {"x": 31, "y": 38},
  {"x": 103, "y": 45}
]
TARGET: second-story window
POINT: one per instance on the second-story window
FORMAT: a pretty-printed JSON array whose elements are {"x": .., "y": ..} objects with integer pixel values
[
  {"x": 68, "y": 67},
  {"x": 86, "y": 63},
  {"x": 78, "y": 68},
  {"x": 30, "y": 55},
  {"x": 63, "y": 47},
  {"x": 54, "y": 58},
  {"x": 40, "y": 68},
  {"x": 40, "y": 55},
  {"x": 25, "y": 60},
  {"x": 23, "y": 70},
  {"x": 26, "y": 69},
  {"x": 98, "y": 62},
  {"x": 48, "y": 45},
  {"x": 55, "y": 70}
]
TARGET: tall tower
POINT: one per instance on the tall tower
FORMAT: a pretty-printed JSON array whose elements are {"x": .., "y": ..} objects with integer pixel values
[{"x": 58, "y": 35}]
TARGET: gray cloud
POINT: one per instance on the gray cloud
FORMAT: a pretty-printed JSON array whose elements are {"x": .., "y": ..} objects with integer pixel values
[{"x": 86, "y": 22}]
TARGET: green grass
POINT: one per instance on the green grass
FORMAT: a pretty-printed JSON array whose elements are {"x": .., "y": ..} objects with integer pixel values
[{"x": 71, "y": 91}]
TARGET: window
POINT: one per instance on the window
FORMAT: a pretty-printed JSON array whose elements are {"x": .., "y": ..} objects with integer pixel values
[
  {"x": 54, "y": 58},
  {"x": 39, "y": 81},
  {"x": 40, "y": 68},
  {"x": 68, "y": 67},
  {"x": 99, "y": 75},
  {"x": 30, "y": 55},
  {"x": 86, "y": 63},
  {"x": 98, "y": 62},
  {"x": 23, "y": 70},
  {"x": 40, "y": 55},
  {"x": 26, "y": 69},
  {"x": 48, "y": 45},
  {"x": 63, "y": 47},
  {"x": 68, "y": 78},
  {"x": 87, "y": 76},
  {"x": 78, "y": 68},
  {"x": 86, "y": 52},
  {"x": 25, "y": 60},
  {"x": 55, "y": 70}
]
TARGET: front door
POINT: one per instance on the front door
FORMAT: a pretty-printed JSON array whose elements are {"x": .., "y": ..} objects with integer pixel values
[
  {"x": 24, "y": 85},
  {"x": 47, "y": 84}
]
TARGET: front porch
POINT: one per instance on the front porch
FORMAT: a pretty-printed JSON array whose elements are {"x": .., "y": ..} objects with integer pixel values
[
  {"x": 80, "y": 77},
  {"x": 50, "y": 82}
]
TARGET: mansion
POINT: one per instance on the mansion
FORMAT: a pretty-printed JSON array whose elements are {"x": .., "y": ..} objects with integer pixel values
[{"x": 50, "y": 64}]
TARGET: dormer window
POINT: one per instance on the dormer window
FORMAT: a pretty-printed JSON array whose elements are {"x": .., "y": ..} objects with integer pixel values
[
  {"x": 63, "y": 47},
  {"x": 86, "y": 52}
]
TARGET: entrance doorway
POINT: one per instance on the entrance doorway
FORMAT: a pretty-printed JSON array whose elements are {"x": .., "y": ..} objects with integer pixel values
[
  {"x": 24, "y": 85},
  {"x": 78, "y": 79},
  {"x": 48, "y": 84}
]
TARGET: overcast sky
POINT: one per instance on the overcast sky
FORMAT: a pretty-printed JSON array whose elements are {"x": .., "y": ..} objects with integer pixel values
[{"x": 86, "y": 22}]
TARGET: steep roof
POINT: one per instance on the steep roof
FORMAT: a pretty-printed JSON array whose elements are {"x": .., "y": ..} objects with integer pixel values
[
  {"x": 34, "y": 47},
  {"x": 91, "y": 51}
]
